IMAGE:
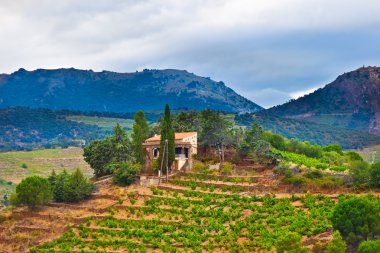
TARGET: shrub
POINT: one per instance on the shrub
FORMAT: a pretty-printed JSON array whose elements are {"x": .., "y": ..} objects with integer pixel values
[
  {"x": 70, "y": 187},
  {"x": 125, "y": 173},
  {"x": 33, "y": 191},
  {"x": 227, "y": 167},
  {"x": 369, "y": 247},
  {"x": 336, "y": 245},
  {"x": 199, "y": 166},
  {"x": 24, "y": 166},
  {"x": 357, "y": 219},
  {"x": 290, "y": 243},
  {"x": 296, "y": 180},
  {"x": 314, "y": 174}
]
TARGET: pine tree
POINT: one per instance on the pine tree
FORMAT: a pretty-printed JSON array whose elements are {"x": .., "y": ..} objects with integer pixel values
[
  {"x": 139, "y": 134},
  {"x": 167, "y": 133}
]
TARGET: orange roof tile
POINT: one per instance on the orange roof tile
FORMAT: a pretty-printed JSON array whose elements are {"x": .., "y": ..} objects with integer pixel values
[{"x": 178, "y": 136}]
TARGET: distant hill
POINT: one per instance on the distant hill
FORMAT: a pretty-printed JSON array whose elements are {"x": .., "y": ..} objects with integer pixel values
[
  {"x": 351, "y": 101},
  {"x": 106, "y": 91},
  {"x": 313, "y": 132}
]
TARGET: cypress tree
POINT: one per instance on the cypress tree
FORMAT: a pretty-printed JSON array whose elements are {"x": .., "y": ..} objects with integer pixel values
[
  {"x": 167, "y": 133},
  {"x": 139, "y": 134}
]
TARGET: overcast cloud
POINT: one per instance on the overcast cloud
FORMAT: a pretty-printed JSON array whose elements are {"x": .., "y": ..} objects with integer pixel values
[{"x": 269, "y": 51}]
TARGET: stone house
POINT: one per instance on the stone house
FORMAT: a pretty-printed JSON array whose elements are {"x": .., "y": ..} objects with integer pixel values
[{"x": 185, "y": 148}]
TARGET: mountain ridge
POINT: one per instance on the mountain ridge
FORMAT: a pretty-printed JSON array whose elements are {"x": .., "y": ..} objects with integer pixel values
[
  {"x": 352, "y": 100},
  {"x": 86, "y": 90}
]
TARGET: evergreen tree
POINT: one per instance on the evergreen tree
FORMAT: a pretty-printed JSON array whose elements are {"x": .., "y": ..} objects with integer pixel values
[
  {"x": 139, "y": 134},
  {"x": 167, "y": 133}
]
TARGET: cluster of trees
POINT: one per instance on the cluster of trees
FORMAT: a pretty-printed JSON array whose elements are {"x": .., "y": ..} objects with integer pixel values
[
  {"x": 358, "y": 221},
  {"x": 118, "y": 155},
  {"x": 36, "y": 191},
  {"x": 27, "y": 129}
]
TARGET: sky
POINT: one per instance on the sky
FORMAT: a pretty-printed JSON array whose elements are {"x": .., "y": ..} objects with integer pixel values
[{"x": 268, "y": 51}]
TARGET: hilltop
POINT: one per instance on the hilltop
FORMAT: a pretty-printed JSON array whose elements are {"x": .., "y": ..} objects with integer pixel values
[
  {"x": 351, "y": 101},
  {"x": 106, "y": 91}
]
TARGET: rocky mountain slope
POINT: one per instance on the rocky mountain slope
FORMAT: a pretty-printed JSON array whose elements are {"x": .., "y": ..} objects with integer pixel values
[
  {"x": 87, "y": 90},
  {"x": 352, "y": 101}
]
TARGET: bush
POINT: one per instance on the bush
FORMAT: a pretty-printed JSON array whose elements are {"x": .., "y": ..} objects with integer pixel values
[
  {"x": 33, "y": 191},
  {"x": 24, "y": 166},
  {"x": 125, "y": 173},
  {"x": 290, "y": 243},
  {"x": 357, "y": 219},
  {"x": 296, "y": 180},
  {"x": 70, "y": 187},
  {"x": 314, "y": 174},
  {"x": 336, "y": 245},
  {"x": 227, "y": 167},
  {"x": 199, "y": 166},
  {"x": 369, "y": 247}
]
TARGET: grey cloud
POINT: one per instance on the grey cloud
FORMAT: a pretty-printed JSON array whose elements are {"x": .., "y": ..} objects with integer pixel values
[{"x": 266, "y": 50}]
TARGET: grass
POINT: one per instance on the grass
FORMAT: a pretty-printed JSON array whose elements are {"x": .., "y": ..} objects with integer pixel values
[
  {"x": 370, "y": 154},
  {"x": 14, "y": 166},
  {"x": 103, "y": 122}
]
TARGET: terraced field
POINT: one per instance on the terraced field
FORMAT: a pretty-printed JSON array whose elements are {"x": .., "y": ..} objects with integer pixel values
[{"x": 192, "y": 213}]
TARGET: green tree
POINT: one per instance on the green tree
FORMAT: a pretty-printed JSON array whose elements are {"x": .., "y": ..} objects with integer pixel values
[
  {"x": 100, "y": 153},
  {"x": 374, "y": 174},
  {"x": 33, "y": 191},
  {"x": 369, "y": 247},
  {"x": 70, "y": 187},
  {"x": 167, "y": 133},
  {"x": 290, "y": 243},
  {"x": 216, "y": 131},
  {"x": 139, "y": 135},
  {"x": 359, "y": 172},
  {"x": 120, "y": 144},
  {"x": 125, "y": 172},
  {"x": 333, "y": 147},
  {"x": 336, "y": 245},
  {"x": 357, "y": 219}
]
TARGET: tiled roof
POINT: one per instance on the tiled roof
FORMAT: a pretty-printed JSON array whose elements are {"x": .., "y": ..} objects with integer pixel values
[{"x": 178, "y": 136}]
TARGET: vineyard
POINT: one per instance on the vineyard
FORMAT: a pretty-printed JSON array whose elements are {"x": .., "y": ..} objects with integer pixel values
[{"x": 198, "y": 213}]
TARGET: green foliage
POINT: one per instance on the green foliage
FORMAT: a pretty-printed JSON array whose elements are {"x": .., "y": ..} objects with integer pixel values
[
  {"x": 33, "y": 191},
  {"x": 336, "y": 245},
  {"x": 290, "y": 243},
  {"x": 18, "y": 128},
  {"x": 369, "y": 247},
  {"x": 333, "y": 147},
  {"x": 360, "y": 172},
  {"x": 125, "y": 173},
  {"x": 227, "y": 167},
  {"x": 24, "y": 166},
  {"x": 100, "y": 153},
  {"x": 357, "y": 219},
  {"x": 199, "y": 167},
  {"x": 374, "y": 174},
  {"x": 139, "y": 135},
  {"x": 70, "y": 187},
  {"x": 167, "y": 133},
  {"x": 353, "y": 156}
]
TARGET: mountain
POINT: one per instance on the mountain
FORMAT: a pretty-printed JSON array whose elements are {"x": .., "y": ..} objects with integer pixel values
[
  {"x": 352, "y": 101},
  {"x": 86, "y": 90},
  {"x": 313, "y": 132}
]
